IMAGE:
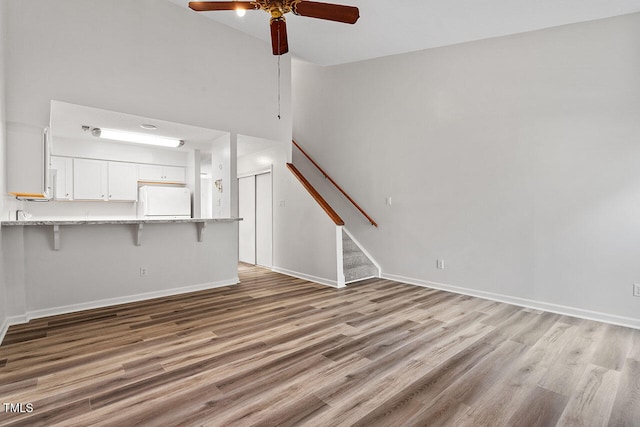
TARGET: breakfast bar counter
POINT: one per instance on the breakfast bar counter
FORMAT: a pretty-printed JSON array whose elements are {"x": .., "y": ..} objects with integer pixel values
[
  {"x": 55, "y": 266},
  {"x": 200, "y": 223}
]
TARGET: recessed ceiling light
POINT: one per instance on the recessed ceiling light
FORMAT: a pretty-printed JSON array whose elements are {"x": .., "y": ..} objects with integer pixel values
[{"x": 148, "y": 126}]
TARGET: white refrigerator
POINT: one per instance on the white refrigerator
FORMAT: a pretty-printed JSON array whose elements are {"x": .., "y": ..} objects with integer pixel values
[{"x": 158, "y": 202}]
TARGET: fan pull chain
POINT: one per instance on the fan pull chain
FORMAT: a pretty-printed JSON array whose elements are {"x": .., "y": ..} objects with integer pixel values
[{"x": 279, "y": 76}]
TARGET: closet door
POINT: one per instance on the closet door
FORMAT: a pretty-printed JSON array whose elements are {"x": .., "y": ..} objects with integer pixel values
[
  {"x": 247, "y": 227},
  {"x": 264, "y": 220}
]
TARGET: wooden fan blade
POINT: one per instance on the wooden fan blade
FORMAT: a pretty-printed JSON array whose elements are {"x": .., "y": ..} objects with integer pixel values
[
  {"x": 331, "y": 12},
  {"x": 279, "y": 42},
  {"x": 204, "y": 6}
]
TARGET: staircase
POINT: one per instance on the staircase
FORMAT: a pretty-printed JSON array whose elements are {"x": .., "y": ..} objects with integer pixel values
[{"x": 356, "y": 264}]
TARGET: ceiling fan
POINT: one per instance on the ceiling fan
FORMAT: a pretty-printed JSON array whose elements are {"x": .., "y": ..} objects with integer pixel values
[{"x": 278, "y": 8}]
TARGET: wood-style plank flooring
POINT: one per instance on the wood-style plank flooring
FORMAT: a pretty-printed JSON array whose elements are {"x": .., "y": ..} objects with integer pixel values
[{"x": 278, "y": 351}]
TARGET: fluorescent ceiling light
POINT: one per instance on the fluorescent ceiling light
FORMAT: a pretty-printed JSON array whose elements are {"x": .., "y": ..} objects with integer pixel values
[{"x": 137, "y": 138}]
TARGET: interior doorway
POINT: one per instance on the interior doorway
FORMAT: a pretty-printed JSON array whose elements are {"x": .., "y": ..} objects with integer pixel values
[{"x": 255, "y": 206}]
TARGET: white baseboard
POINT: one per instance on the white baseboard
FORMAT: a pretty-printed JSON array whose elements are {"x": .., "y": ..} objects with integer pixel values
[
  {"x": 361, "y": 279},
  {"x": 3, "y": 329},
  {"x": 308, "y": 277},
  {"x": 11, "y": 320},
  {"x": 54, "y": 311},
  {"x": 523, "y": 302}
]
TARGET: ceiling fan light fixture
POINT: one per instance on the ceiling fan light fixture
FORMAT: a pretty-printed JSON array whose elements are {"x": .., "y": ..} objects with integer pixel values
[
  {"x": 137, "y": 138},
  {"x": 277, "y": 9}
]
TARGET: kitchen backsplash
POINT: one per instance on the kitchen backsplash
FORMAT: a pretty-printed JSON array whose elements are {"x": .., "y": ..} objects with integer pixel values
[{"x": 73, "y": 210}]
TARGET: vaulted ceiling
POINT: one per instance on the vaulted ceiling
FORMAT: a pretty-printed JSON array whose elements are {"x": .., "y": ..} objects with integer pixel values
[{"x": 390, "y": 27}]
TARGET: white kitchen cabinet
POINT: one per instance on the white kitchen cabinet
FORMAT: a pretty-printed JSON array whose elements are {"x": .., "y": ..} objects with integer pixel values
[
  {"x": 175, "y": 174},
  {"x": 123, "y": 181},
  {"x": 150, "y": 172},
  {"x": 159, "y": 173},
  {"x": 90, "y": 179},
  {"x": 103, "y": 180},
  {"x": 62, "y": 177}
]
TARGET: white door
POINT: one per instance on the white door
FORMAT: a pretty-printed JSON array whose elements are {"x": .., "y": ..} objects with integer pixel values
[
  {"x": 247, "y": 227},
  {"x": 264, "y": 215}
]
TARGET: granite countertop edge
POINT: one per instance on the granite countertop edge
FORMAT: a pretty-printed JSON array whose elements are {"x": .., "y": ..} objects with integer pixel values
[{"x": 116, "y": 221}]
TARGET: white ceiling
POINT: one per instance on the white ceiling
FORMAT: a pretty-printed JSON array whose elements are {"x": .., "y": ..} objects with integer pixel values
[{"x": 388, "y": 27}]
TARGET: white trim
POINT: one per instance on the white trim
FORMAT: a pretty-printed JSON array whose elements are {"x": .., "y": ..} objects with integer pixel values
[
  {"x": 258, "y": 172},
  {"x": 364, "y": 251},
  {"x": 3, "y": 330},
  {"x": 13, "y": 320},
  {"x": 523, "y": 302},
  {"x": 17, "y": 320},
  {"x": 361, "y": 279},
  {"x": 254, "y": 174},
  {"x": 340, "y": 257},
  {"x": 308, "y": 277},
  {"x": 120, "y": 300}
]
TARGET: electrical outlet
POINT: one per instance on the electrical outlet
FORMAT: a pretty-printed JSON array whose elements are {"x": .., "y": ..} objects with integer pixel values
[
  {"x": 636, "y": 290},
  {"x": 143, "y": 271},
  {"x": 440, "y": 264}
]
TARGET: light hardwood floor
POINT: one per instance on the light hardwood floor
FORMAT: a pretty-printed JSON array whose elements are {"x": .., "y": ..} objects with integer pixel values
[{"x": 275, "y": 350}]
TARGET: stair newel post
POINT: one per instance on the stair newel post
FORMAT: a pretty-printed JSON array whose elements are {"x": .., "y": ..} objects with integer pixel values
[{"x": 340, "y": 258}]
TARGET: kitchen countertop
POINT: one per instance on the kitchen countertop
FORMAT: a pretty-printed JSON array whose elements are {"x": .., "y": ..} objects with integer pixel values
[{"x": 115, "y": 221}]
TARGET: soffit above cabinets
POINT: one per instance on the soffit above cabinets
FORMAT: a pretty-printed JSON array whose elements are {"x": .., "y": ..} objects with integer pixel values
[{"x": 68, "y": 119}]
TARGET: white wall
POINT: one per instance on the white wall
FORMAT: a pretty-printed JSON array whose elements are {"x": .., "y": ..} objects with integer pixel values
[
  {"x": 513, "y": 159},
  {"x": 304, "y": 237},
  {"x": 3, "y": 299},
  {"x": 220, "y": 162},
  {"x": 148, "y": 58},
  {"x": 70, "y": 210}
]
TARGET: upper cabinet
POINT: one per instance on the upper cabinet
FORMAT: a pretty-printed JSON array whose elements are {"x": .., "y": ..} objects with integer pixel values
[
  {"x": 62, "y": 177},
  {"x": 175, "y": 174},
  {"x": 123, "y": 182},
  {"x": 157, "y": 173},
  {"x": 103, "y": 180},
  {"x": 90, "y": 179},
  {"x": 94, "y": 179}
]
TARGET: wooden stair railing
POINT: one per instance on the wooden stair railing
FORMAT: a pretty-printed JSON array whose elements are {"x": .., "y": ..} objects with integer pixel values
[
  {"x": 344, "y": 193},
  {"x": 314, "y": 193}
]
